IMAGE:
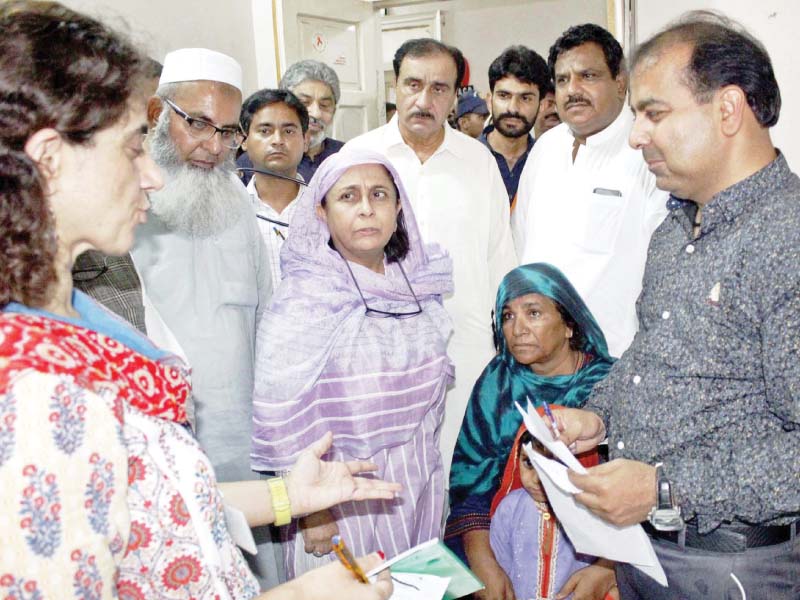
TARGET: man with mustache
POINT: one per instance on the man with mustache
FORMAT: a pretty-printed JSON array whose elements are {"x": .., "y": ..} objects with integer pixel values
[
  {"x": 517, "y": 80},
  {"x": 548, "y": 114},
  {"x": 459, "y": 201},
  {"x": 703, "y": 411},
  {"x": 317, "y": 86},
  {"x": 586, "y": 202},
  {"x": 201, "y": 258}
]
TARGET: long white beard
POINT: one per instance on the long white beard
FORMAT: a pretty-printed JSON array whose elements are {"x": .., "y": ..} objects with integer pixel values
[{"x": 194, "y": 201}]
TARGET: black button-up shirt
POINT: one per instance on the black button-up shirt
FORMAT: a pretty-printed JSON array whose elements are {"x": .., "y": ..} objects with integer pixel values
[
  {"x": 711, "y": 384},
  {"x": 510, "y": 176}
]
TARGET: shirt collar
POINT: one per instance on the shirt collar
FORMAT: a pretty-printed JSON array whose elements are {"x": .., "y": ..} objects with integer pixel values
[
  {"x": 610, "y": 134},
  {"x": 733, "y": 201},
  {"x": 450, "y": 144},
  {"x": 261, "y": 206},
  {"x": 484, "y": 139}
]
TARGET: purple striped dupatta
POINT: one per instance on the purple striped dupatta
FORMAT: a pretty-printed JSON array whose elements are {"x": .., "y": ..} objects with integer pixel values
[{"x": 322, "y": 364}]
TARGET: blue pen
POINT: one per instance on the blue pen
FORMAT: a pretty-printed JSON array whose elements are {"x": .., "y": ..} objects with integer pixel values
[{"x": 552, "y": 418}]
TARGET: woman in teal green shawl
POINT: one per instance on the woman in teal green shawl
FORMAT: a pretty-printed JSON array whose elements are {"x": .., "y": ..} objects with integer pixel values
[{"x": 572, "y": 348}]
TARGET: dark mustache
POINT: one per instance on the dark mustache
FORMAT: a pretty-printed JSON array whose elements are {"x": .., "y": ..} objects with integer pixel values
[
  {"x": 577, "y": 100},
  {"x": 422, "y": 113},
  {"x": 510, "y": 115}
]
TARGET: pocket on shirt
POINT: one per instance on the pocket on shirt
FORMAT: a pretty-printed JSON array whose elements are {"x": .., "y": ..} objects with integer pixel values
[{"x": 602, "y": 218}]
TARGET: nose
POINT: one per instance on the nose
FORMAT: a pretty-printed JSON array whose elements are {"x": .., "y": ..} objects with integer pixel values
[
  {"x": 573, "y": 86},
  {"x": 365, "y": 206},
  {"x": 513, "y": 105},
  {"x": 213, "y": 145},
  {"x": 639, "y": 136},
  {"x": 277, "y": 138},
  {"x": 314, "y": 110},
  {"x": 150, "y": 177},
  {"x": 424, "y": 99},
  {"x": 519, "y": 326}
]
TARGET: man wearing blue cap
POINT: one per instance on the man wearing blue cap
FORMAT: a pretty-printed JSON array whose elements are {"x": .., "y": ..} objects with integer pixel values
[{"x": 471, "y": 114}]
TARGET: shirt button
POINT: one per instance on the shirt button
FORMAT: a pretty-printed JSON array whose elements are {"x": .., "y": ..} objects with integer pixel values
[
  {"x": 636, "y": 380},
  {"x": 665, "y": 315},
  {"x": 690, "y": 249},
  {"x": 620, "y": 445}
]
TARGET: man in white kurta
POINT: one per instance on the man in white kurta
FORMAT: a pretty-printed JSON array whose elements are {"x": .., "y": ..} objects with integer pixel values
[
  {"x": 460, "y": 202},
  {"x": 201, "y": 258},
  {"x": 586, "y": 201}
]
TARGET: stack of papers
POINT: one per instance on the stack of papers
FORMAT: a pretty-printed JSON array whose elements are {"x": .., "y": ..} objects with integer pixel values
[
  {"x": 588, "y": 533},
  {"x": 429, "y": 571}
]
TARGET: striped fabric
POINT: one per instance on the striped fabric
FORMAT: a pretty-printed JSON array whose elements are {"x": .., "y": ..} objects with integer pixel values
[{"x": 324, "y": 365}]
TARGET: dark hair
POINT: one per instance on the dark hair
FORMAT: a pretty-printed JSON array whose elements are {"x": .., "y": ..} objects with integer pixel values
[
  {"x": 526, "y": 437},
  {"x": 577, "y": 341},
  {"x": 62, "y": 70},
  {"x": 426, "y": 47},
  {"x": 398, "y": 245},
  {"x": 723, "y": 53},
  {"x": 258, "y": 100},
  {"x": 522, "y": 63},
  {"x": 153, "y": 68},
  {"x": 578, "y": 35}
]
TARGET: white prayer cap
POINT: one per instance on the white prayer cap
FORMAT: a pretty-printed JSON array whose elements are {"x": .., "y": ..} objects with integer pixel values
[{"x": 200, "y": 64}]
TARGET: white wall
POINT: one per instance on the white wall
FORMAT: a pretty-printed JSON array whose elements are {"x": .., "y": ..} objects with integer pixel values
[
  {"x": 160, "y": 26},
  {"x": 774, "y": 23},
  {"x": 482, "y": 32},
  {"x": 482, "y": 29}
]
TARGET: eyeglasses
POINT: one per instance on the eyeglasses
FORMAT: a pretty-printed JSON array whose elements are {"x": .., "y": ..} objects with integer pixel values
[
  {"x": 231, "y": 137},
  {"x": 383, "y": 314},
  {"x": 90, "y": 273}
]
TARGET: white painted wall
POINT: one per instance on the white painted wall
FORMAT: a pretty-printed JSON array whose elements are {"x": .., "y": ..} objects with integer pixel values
[
  {"x": 482, "y": 29},
  {"x": 160, "y": 26},
  {"x": 774, "y": 22}
]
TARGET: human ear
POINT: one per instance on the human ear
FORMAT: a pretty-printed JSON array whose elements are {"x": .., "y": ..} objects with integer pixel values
[
  {"x": 622, "y": 84},
  {"x": 732, "y": 102},
  {"x": 45, "y": 148},
  {"x": 322, "y": 214},
  {"x": 154, "y": 108}
]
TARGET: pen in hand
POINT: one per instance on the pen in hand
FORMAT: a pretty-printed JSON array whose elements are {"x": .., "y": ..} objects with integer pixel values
[
  {"x": 346, "y": 558},
  {"x": 552, "y": 419}
]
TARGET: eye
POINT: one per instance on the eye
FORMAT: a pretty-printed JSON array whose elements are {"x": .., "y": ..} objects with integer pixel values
[
  {"x": 266, "y": 131},
  {"x": 198, "y": 126},
  {"x": 526, "y": 462},
  {"x": 289, "y": 131},
  {"x": 506, "y": 316},
  {"x": 561, "y": 80},
  {"x": 654, "y": 115},
  {"x": 534, "y": 313},
  {"x": 228, "y": 134},
  {"x": 326, "y": 105},
  {"x": 347, "y": 196},
  {"x": 503, "y": 95}
]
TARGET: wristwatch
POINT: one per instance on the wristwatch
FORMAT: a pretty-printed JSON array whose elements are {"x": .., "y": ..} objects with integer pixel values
[{"x": 666, "y": 514}]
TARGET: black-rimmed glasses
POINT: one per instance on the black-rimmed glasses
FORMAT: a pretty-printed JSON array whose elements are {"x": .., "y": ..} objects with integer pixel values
[
  {"x": 231, "y": 137},
  {"x": 383, "y": 314}
]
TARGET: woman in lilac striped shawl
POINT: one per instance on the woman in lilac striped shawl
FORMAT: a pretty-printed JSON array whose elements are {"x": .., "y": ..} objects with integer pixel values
[{"x": 355, "y": 342}]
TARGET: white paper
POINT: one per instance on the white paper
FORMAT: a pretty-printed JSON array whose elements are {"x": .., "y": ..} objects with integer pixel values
[
  {"x": 410, "y": 586},
  {"x": 539, "y": 429},
  {"x": 239, "y": 529},
  {"x": 588, "y": 533}
]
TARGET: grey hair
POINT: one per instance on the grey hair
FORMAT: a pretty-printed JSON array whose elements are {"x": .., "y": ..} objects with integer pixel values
[
  {"x": 310, "y": 69},
  {"x": 167, "y": 91}
]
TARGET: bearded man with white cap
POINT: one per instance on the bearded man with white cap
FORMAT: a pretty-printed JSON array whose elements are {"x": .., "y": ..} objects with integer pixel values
[{"x": 200, "y": 255}]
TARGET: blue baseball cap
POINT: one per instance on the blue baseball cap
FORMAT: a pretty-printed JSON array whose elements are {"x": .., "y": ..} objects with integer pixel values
[{"x": 471, "y": 104}]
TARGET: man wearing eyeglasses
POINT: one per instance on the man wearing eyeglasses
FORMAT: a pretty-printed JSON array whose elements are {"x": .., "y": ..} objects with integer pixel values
[{"x": 201, "y": 257}]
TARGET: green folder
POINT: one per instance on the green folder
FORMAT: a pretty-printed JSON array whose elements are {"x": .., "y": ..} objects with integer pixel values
[{"x": 434, "y": 558}]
